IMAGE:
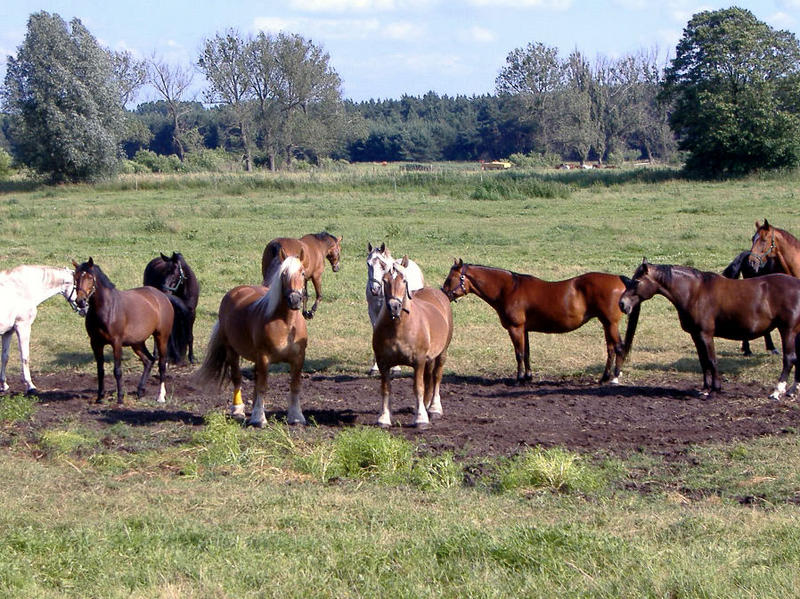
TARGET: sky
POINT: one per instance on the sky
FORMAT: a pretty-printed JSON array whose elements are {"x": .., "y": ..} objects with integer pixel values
[{"x": 385, "y": 49}]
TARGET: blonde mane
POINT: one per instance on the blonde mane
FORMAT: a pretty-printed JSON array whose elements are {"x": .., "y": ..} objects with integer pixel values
[{"x": 268, "y": 304}]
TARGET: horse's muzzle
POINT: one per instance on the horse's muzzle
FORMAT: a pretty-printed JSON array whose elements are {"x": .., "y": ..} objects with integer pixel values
[
  {"x": 626, "y": 305},
  {"x": 395, "y": 307},
  {"x": 81, "y": 307},
  {"x": 335, "y": 268},
  {"x": 294, "y": 299}
]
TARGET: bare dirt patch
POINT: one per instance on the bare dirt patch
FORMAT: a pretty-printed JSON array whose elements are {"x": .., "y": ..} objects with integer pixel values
[{"x": 482, "y": 417}]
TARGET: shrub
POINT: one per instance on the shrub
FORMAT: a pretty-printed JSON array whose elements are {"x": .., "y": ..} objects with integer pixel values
[{"x": 5, "y": 164}]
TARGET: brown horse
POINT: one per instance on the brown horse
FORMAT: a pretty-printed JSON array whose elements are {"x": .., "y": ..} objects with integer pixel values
[
  {"x": 710, "y": 305},
  {"x": 123, "y": 319},
  {"x": 412, "y": 330},
  {"x": 772, "y": 242},
  {"x": 526, "y": 303},
  {"x": 316, "y": 247},
  {"x": 262, "y": 324}
]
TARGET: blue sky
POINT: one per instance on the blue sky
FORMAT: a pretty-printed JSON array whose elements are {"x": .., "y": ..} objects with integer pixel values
[{"x": 387, "y": 48}]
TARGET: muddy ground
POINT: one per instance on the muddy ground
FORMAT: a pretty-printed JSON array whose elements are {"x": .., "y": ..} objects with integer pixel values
[{"x": 482, "y": 417}]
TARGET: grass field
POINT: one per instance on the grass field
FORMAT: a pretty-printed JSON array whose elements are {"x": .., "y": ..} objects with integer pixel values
[{"x": 79, "y": 522}]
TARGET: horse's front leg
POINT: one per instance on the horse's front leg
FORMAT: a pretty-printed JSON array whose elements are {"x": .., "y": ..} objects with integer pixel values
[
  {"x": 528, "y": 373},
  {"x": 788, "y": 341},
  {"x": 258, "y": 418},
  {"x": 24, "y": 342},
  {"x": 97, "y": 350},
  {"x": 517, "y": 334},
  {"x": 421, "y": 420},
  {"x": 4, "y": 359},
  {"x": 235, "y": 367},
  {"x": 294, "y": 414},
  {"x": 385, "y": 417},
  {"x": 317, "y": 297},
  {"x": 190, "y": 324}
]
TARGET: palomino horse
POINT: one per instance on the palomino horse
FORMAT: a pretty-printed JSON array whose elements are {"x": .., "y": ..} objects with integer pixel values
[
  {"x": 772, "y": 242},
  {"x": 263, "y": 325},
  {"x": 175, "y": 277},
  {"x": 379, "y": 261},
  {"x": 316, "y": 248},
  {"x": 710, "y": 305},
  {"x": 741, "y": 266},
  {"x": 123, "y": 319},
  {"x": 22, "y": 289},
  {"x": 526, "y": 303},
  {"x": 413, "y": 330}
]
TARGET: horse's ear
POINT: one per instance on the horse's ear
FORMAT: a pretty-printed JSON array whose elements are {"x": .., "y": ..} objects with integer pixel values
[
  {"x": 369, "y": 247},
  {"x": 302, "y": 254},
  {"x": 339, "y": 239},
  {"x": 90, "y": 262},
  {"x": 174, "y": 257},
  {"x": 766, "y": 224},
  {"x": 758, "y": 225},
  {"x": 644, "y": 260},
  {"x": 383, "y": 247},
  {"x": 282, "y": 254},
  {"x": 163, "y": 257},
  {"x": 75, "y": 264},
  {"x": 404, "y": 262},
  {"x": 459, "y": 263}
]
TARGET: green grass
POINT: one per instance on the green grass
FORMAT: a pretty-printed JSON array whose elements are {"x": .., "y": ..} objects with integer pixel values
[{"x": 242, "y": 513}]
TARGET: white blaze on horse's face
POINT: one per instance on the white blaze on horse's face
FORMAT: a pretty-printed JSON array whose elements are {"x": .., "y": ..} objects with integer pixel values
[
  {"x": 395, "y": 288},
  {"x": 377, "y": 265}
]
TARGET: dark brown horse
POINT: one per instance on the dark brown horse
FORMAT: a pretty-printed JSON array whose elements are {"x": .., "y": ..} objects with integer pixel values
[
  {"x": 526, "y": 303},
  {"x": 123, "y": 319},
  {"x": 262, "y": 324},
  {"x": 316, "y": 247},
  {"x": 412, "y": 330},
  {"x": 175, "y": 277},
  {"x": 710, "y": 305},
  {"x": 772, "y": 242}
]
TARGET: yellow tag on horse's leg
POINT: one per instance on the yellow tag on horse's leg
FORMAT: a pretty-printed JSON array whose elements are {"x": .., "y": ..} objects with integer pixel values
[{"x": 237, "y": 397}]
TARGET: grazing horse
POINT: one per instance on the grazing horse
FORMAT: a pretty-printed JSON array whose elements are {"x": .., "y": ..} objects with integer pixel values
[
  {"x": 413, "y": 330},
  {"x": 526, "y": 303},
  {"x": 175, "y": 277},
  {"x": 741, "y": 266},
  {"x": 710, "y": 305},
  {"x": 123, "y": 319},
  {"x": 379, "y": 261},
  {"x": 315, "y": 247},
  {"x": 22, "y": 289},
  {"x": 772, "y": 242},
  {"x": 262, "y": 324}
]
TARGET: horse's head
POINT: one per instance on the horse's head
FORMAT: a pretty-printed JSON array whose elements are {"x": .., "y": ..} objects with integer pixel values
[
  {"x": 173, "y": 273},
  {"x": 641, "y": 287},
  {"x": 763, "y": 245},
  {"x": 85, "y": 284},
  {"x": 333, "y": 253},
  {"x": 379, "y": 261},
  {"x": 395, "y": 289},
  {"x": 455, "y": 285},
  {"x": 293, "y": 279}
]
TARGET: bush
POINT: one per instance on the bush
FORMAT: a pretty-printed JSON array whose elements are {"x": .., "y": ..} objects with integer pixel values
[
  {"x": 535, "y": 160},
  {"x": 157, "y": 163},
  {"x": 5, "y": 165}
]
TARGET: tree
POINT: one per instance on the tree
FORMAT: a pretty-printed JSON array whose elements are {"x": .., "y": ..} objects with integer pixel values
[
  {"x": 172, "y": 83},
  {"x": 734, "y": 87},
  {"x": 224, "y": 63},
  {"x": 64, "y": 101}
]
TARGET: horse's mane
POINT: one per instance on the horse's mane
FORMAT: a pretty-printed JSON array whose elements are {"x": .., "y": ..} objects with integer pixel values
[
  {"x": 324, "y": 236},
  {"x": 665, "y": 273},
  {"x": 268, "y": 304},
  {"x": 791, "y": 239},
  {"x": 98, "y": 273}
]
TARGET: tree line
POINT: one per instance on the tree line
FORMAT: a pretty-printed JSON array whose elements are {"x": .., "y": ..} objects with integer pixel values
[{"x": 730, "y": 99}]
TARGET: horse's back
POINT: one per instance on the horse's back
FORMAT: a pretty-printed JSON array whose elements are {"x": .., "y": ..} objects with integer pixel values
[
  {"x": 270, "y": 259},
  {"x": 155, "y": 299}
]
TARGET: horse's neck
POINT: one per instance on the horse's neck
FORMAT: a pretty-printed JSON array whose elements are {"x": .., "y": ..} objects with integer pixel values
[
  {"x": 788, "y": 252},
  {"x": 489, "y": 284},
  {"x": 51, "y": 281},
  {"x": 680, "y": 288}
]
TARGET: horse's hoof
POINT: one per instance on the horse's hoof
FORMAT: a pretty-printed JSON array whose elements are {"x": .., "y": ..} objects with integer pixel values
[
  {"x": 434, "y": 415},
  {"x": 258, "y": 424},
  {"x": 308, "y": 315},
  {"x": 384, "y": 425},
  {"x": 421, "y": 426},
  {"x": 296, "y": 422},
  {"x": 32, "y": 392},
  {"x": 775, "y": 352}
]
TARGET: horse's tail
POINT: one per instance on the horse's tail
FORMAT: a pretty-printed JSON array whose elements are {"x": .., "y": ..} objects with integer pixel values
[
  {"x": 178, "y": 343},
  {"x": 215, "y": 368},
  {"x": 733, "y": 269}
]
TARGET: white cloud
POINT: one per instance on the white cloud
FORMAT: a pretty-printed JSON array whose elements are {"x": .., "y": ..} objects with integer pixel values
[
  {"x": 479, "y": 35},
  {"x": 276, "y": 24},
  {"x": 682, "y": 11},
  {"x": 632, "y": 4},
  {"x": 356, "y": 5},
  {"x": 781, "y": 20},
  {"x": 790, "y": 4},
  {"x": 543, "y": 4},
  {"x": 403, "y": 31}
]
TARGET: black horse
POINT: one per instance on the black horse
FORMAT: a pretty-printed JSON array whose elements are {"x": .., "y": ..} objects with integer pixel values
[
  {"x": 741, "y": 266},
  {"x": 174, "y": 276}
]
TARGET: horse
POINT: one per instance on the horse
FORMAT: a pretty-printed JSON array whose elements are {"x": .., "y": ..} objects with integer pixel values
[
  {"x": 175, "y": 277},
  {"x": 413, "y": 330},
  {"x": 262, "y": 324},
  {"x": 710, "y": 305},
  {"x": 526, "y": 303},
  {"x": 22, "y": 289},
  {"x": 772, "y": 242},
  {"x": 379, "y": 261},
  {"x": 316, "y": 248},
  {"x": 123, "y": 319},
  {"x": 741, "y": 266}
]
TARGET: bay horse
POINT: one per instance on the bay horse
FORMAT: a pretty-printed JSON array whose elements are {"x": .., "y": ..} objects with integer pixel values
[
  {"x": 741, "y": 266},
  {"x": 526, "y": 303},
  {"x": 123, "y": 319},
  {"x": 710, "y": 305},
  {"x": 379, "y": 261},
  {"x": 413, "y": 330},
  {"x": 22, "y": 289},
  {"x": 772, "y": 242},
  {"x": 175, "y": 277},
  {"x": 262, "y": 324},
  {"x": 316, "y": 248}
]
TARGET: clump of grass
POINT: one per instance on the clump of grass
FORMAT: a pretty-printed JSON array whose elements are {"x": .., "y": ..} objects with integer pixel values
[
  {"x": 364, "y": 452},
  {"x": 221, "y": 440},
  {"x": 437, "y": 472},
  {"x": 16, "y": 408},
  {"x": 553, "y": 469},
  {"x": 60, "y": 443}
]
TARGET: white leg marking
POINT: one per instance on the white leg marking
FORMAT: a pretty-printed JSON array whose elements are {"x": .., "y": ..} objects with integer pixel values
[
  {"x": 257, "y": 417},
  {"x": 779, "y": 391},
  {"x": 237, "y": 411},
  {"x": 162, "y": 394},
  {"x": 295, "y": 414}
]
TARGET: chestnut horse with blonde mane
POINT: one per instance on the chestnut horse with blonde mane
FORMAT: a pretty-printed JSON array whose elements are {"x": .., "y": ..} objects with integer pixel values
[
  {"x": 526, "y": 303},
  {"x": 264, "y": 325},
  {"x": 413, "y": 329},
  {"x": 316, "y": 247},
  {"x": 778, "y": 244}
]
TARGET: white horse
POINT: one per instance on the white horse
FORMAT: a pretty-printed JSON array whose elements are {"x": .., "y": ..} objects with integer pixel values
[
  {"x": 21, "y": 290},
  {"x": 380, "y": 261}
]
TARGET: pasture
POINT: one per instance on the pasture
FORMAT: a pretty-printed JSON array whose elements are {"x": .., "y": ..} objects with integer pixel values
[{"x": 138, "y": 501}]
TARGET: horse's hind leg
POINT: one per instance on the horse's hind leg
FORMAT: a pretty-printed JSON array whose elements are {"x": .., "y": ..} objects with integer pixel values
[
  {"x": 147, "y": 361},
  {"x": 117, "y": 352},
  {"x": 435, "y": 407},
  {"x": 24, "y": 342},
  {"x": 421, "y": 418},
  {"x": 518, "y": 336},
  {"x": 235, "y": 369},
  {"x": 294, "y": 414},
  {"x": 789, "y": 342},
  {"x": 615, "y": 352},
  {"x": 161, "y": 352},
  {"x": 257, "y": 416},
  {"x": 4, "y": 359}
]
